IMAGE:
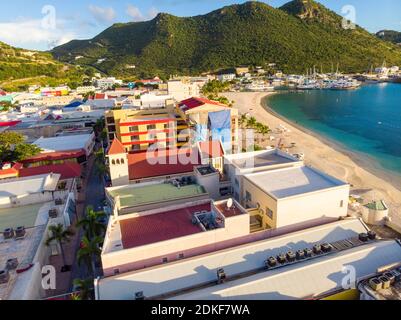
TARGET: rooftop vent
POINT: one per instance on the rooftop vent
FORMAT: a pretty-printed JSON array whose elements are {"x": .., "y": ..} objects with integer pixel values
[
  {"x": 386, "y": 282},
  {"x": 53, "y": 213},
  {"x": 20, "y": 232},
  {"x": 308, "y": 252},
  {"x": 271, "y": 262},
  {"x": 139, "y": 296},
  {"x": 376, "y": 284},
  {"x": 372, "y": 235},
  {"x": 281, "y": 258},
  {"x": 317, "y": 249},
  {"x": 4, "y": 276},
  {"x": 363, "y": 237},
  {"x": 8, "y": 233},
  {"x": 221, "y": 276},
  {"x": 291, "y": 256},
  {"x": 326, "y": 247},
  {"x": 12, "y": 264},
  {"x": 300, "y": 254}
]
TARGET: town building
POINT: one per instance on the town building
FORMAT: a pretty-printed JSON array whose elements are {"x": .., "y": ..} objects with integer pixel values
[
  {"x": 210, "y": 120},
  {"x": 182, "y": 89},
  {"x": 294, "y": 195},
  {"x": 312, "y": 261}
]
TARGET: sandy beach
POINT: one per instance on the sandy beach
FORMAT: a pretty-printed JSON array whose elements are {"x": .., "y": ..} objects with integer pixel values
[{"x": 364, "y": 178}]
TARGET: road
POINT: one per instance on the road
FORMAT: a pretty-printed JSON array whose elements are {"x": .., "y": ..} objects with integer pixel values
[{"x": 94, "y": 196}]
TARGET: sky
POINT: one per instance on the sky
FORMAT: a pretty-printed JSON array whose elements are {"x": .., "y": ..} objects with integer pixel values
[{"x": 43, "y": 24}]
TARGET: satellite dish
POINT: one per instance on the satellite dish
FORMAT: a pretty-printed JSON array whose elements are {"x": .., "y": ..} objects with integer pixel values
[{"x": 230, "y": 203}]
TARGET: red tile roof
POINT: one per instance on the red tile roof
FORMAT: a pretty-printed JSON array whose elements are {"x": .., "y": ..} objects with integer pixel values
[
  {"x": 2, "y": 93},
  {"x": 66, "y": 170},
  {"x": 59, "y": 155},
  {"x": 195, "y": 102},
  {"x": 163, "y": 226},
  {"x": 211, "y": 149},
  {"x": 100, "y": 96},
  {"x": 116, "y": 147},
  {"x": 162, "y": 163},
  {"x": 13, "y": 170}
]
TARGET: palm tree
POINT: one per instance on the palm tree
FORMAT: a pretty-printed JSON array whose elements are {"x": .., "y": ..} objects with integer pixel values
[
  {"x": 251, "y": 122},
  {"x": 61, "y": 236},
  {"x": 91, "y": 224},
  {"x": 84, "y": 287},
  {"x": 89, "y": 252},
  {"x": 243, "y": 120}
]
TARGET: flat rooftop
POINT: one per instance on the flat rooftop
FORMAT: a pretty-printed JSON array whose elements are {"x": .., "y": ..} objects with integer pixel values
[
  {"x": 72, "y": 142},
  {"x": 155, "y": 193},
  {"x": 288, "y": 182},
  {"x": 19, "y": 216},
  {"x": 25, "y": 186},
  {"x": 159, "y": 227},
  {"x": 250, "y": 160}
]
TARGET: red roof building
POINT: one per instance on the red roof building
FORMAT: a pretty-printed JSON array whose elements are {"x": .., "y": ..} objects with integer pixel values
[
  {"x": 159, "y": 227},
  {"x": 196, "y": 102},
  {"x": 116, "y": 147},
  {"x": 9, "y": 170},
  {"x": 67, "y": 170},
  {"x": 211, "y": 149},
  {"x": 148, "y": 164},
  {"x": 57, "y": 156}
]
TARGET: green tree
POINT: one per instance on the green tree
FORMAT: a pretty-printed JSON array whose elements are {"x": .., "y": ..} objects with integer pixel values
[
  {"x": 60, "y": 236},
  {"x": 89, "y": 253},
  {"x": 14, "y": 148},
  {"x": 85, "y": 288},
  {"x": 251, "y": 123},
  {"x": 91, "y": 223}
]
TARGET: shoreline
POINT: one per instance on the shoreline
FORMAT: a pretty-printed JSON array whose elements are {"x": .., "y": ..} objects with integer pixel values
[
  {"x": 358, "y": 158},
  {"x": 324, "y": 154}
]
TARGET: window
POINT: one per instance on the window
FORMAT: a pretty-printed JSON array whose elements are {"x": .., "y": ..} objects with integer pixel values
[
  {"x": 152, "y": 127},
  {"x": 248, "y": 197},
  {"x": 181, "y": 256},
  {"x": 111, "y": 128},
  {"x": 110, "y": 120},
  {"x": 113, "y": 162},
  {"x": 136, "y": 148},
  {"x": 269, "y": 213},
  {"x": 342, "y": 204},
  {"x": 116, "y": 271},
  {"x": 134, "y": 138},
  {"x": 165, "y": 260},
  {"x": 118, "y": 161},
  {"x": 166, "y": 126},
  {"x": 134, "y": 129},
  {"x": 122, "y": 161}
]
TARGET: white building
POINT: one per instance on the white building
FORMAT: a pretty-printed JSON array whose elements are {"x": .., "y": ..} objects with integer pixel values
[
  {"x": 239, "y": 164},
  {"x": 185, "y": 279},
  {"x": 294, "y": 195},
  {"x": 107, "y": 83},
  {"x": 67, "y": 143},
  {"x": 85, "y": 89},
  {"x": 182, "y": 90},
  {"x": 226, "y": 77}
]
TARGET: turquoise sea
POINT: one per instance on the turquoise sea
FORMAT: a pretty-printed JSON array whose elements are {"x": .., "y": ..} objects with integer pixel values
[{"x": 366, "y": 121}]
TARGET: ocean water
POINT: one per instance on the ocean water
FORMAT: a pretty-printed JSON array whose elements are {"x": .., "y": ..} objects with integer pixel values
[{"x": 366, "y": 121}]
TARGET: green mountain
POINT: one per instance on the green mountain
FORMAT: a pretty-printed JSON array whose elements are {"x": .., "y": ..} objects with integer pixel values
[
  {"x": 297, "y": 36},
  {"x": 20, "y": 68},
  {"x": 390, "y": 35}
]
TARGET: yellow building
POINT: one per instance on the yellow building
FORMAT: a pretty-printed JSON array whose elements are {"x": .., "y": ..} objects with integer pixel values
[{"x": 137, "y": 129}]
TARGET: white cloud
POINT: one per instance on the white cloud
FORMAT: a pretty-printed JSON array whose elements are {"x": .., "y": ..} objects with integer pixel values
[
  {"x": 134, "y": 13},
  {"x": 102, "y": 15},
  {"x": 137, "y": 15},
  {"x": 32, "y": 34}
]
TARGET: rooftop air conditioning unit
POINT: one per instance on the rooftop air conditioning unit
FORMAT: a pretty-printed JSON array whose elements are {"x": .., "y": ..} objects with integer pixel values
[
  {"x": 20, "y": 232},
  {"x": 300, "y": 254},
  {"x": 221, "y": 276},
  {"x": 390, "y": 276},
  {"x": 271, "y": 262},
  {"x": 364, "y": 237},
  {"x": 8, "y": 233},
  {"x": 282, "y": 259},
  {"x": 376, "y": 284},
  {"x": 386, "y": 282},
  {"x": 53, "y": 213},
  {"x": 139, "y": 296},
  {"x": 372, "y": 235},
  {"x": 317, "y": 249},
  {"x": 12, "y": 264},
  {"x": 4, "y": 276},
  {"x": 308, "y": 252},
  {"x": 291, "y": 256},
  {"x": 326, "y": 247}
]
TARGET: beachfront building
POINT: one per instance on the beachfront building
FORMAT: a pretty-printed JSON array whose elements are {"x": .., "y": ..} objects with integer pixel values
[
  {"x": 240, "y": 164},
  {"x": 311, "y": 264},
  {"x": 182, "y": 89},
  {"x": 293, "y": 195},
  {"x": 210, "y": 120}
]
